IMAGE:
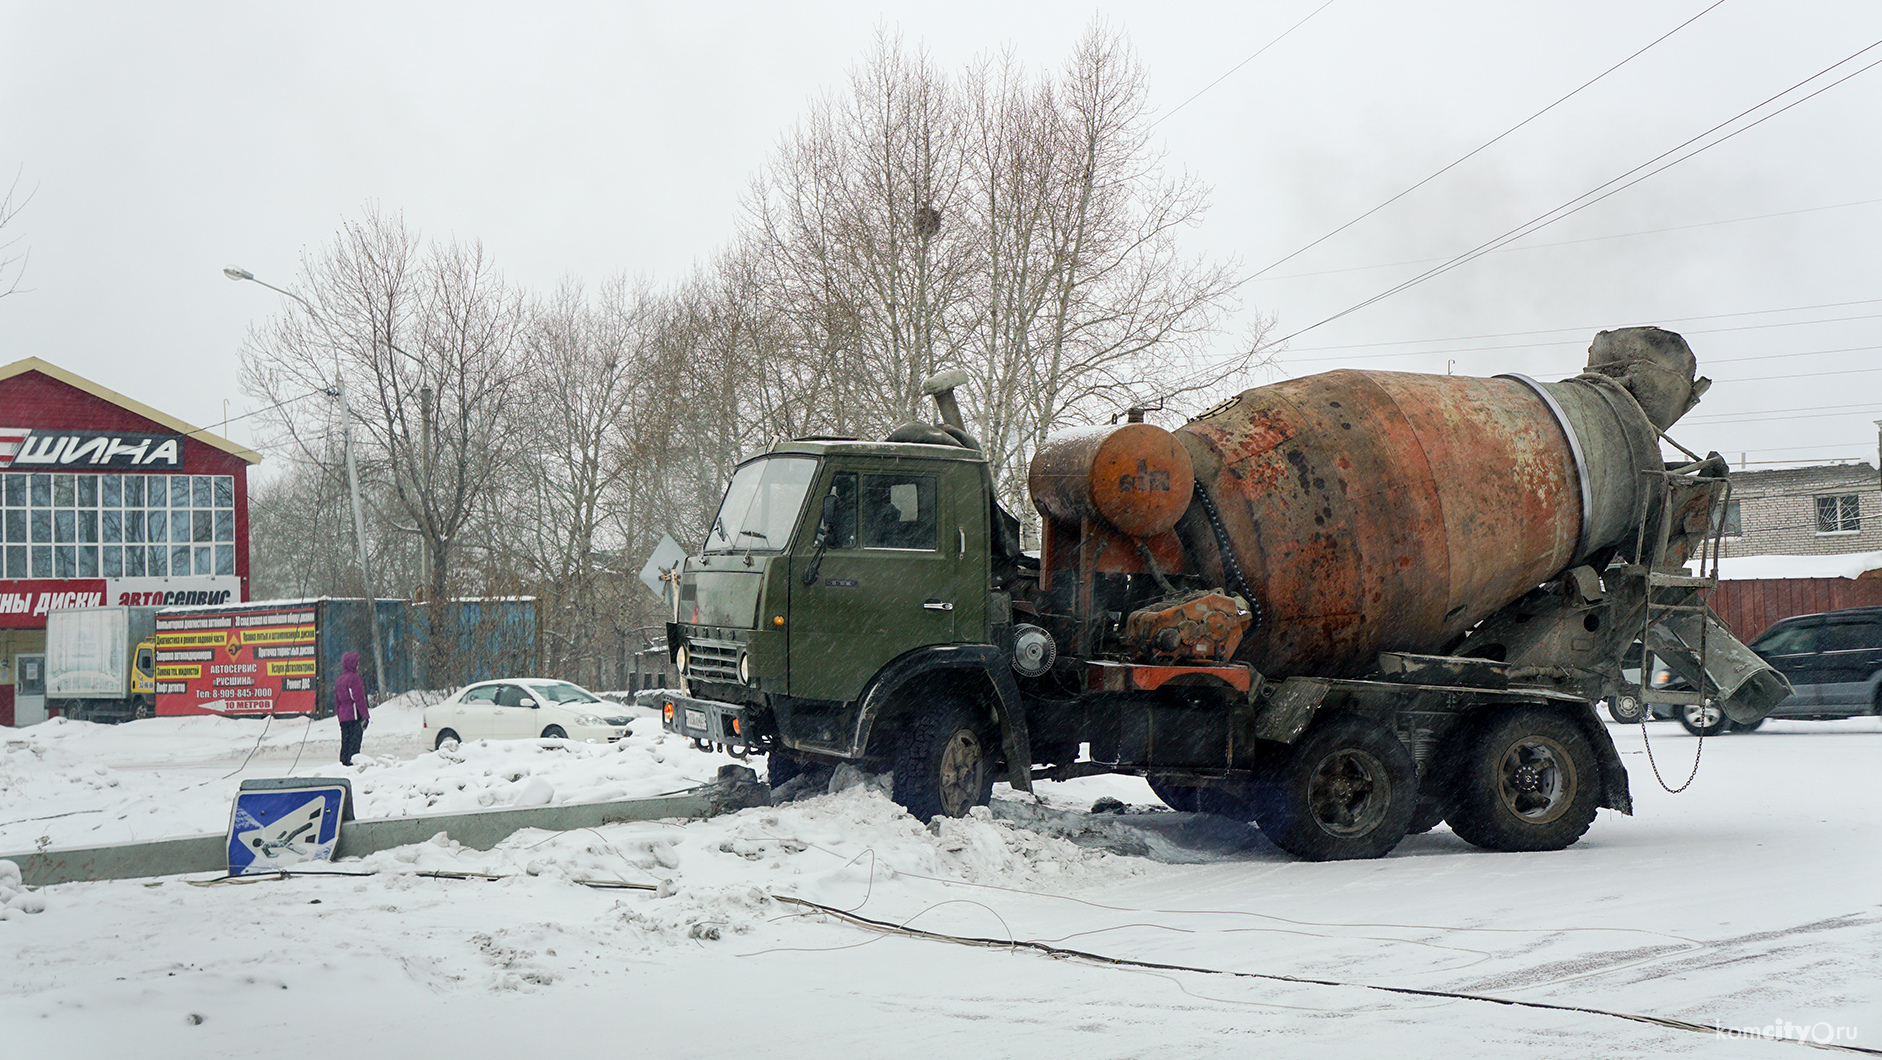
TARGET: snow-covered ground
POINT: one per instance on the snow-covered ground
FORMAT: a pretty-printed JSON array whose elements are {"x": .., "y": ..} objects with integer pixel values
[{"x": 1752, "y": 900}]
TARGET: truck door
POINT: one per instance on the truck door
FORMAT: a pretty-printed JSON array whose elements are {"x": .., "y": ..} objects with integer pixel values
[{"x": 889, "y": 578}]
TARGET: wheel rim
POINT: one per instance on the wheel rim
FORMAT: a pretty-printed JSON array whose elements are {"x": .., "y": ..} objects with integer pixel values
[
  {"x": 963, "y": 771},
  {"x": 1703, "y": 717},
  {"x": 1536, "y": 779},
  {"x": 1347, "y": 795}
]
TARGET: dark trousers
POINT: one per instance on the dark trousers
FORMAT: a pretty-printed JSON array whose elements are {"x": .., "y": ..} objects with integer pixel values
[{"x": 350, "y": 734}]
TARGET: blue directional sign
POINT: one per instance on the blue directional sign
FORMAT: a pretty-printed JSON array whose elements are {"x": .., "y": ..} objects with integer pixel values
[{"x": 280, "y": 826}]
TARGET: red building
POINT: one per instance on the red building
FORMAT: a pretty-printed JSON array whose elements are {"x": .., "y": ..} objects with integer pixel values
[{"x": 106, "y": 501}]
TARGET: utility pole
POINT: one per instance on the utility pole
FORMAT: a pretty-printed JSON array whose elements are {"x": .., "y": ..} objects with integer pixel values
[{"x": 352, "y": 480}]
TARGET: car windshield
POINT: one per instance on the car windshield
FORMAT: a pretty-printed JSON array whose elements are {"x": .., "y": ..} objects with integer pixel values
[
  {"x": 562, "y": 693},
  {"x": 761, "y": 505}
]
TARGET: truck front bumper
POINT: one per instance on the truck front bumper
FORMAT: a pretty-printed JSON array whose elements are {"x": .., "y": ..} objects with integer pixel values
[{"x": 708, "y": 720}]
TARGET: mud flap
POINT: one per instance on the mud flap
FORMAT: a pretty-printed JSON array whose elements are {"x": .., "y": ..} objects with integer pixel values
[{"x": 1615, "y": 794}]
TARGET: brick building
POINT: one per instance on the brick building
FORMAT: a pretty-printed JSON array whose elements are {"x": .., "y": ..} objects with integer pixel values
[
  {"x": 1826, "y": 509},
  {"x": 106, "y": 501}
]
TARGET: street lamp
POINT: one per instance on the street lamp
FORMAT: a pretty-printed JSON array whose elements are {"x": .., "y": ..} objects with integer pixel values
[{"x": 234, "y": 272}]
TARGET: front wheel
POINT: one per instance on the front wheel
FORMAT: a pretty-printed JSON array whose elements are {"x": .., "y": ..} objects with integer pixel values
[
  {"x": 944, "y": 761},
  {"x": 1528, "y": 780},
  {"x": 1703, "y": 719},
  {"x": 143, "y": 710},
  {"x": 1347, "y": 789},
  {"x": 555, "y": 732}
]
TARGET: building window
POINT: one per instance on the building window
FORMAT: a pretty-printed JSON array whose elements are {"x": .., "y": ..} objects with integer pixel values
[
  {"x": 1841, "y": 514},
  {"x": 1728, "y": 521},
  {"x": 133, "y": 526}
]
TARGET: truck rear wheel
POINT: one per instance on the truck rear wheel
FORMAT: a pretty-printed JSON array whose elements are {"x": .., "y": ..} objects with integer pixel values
[
  {"x": 944, "y": 761},
  {"x": 1528, "y": 780},
  {"x": 1346, "y": 789}
]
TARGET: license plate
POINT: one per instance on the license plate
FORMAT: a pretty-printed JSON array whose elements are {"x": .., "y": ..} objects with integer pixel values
[{"x": 696, "y": 719}]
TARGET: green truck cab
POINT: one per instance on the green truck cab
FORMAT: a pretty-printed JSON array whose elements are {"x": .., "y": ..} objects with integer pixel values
[{"x": 843, "y": 600}]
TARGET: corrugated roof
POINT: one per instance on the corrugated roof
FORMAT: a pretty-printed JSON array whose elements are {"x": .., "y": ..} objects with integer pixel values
[{"x": 105, "y": 393}]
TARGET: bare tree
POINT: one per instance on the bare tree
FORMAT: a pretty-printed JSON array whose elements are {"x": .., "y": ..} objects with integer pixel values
[
  {"x": 427, "y": 339},
  {"x": 852, "y": 235},
  {"x": 12, "y": 264}
]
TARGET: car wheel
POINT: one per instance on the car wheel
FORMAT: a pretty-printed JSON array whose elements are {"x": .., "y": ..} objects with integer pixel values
[
  {"x": 143, "y": 710},
  {"x": 445, "y": 736},
  {"x": 1223, "y": 802},
  {"x": 1346, "y": 789},
  {"x": 944, "y": 761},
  {"x": 1703, "y": 719},
  {"x": 1528, "y": 780},
  {"x": 555, "y": 732},
  {"x": 1628, "y": 710}
]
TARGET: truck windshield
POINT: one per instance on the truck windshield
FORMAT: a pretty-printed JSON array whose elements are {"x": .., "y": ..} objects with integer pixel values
[{"x": 761, "y": 505}]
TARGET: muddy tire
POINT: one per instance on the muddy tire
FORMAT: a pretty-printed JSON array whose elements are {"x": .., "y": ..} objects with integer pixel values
[
  {"x": 944, "y": 761},
  {"x": 1528, "y": 780},
  {"x": 1428, "y": 815},
  {"x": 1195, "y": 799},
  {"x": 1703, "y": 719},
  {"x": 1346, "y": 789}
]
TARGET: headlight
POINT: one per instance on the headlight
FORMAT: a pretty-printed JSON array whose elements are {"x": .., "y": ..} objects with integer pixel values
[
  {"x": 591, "y": 720},
  {"x": 680, "y": 657},
  {"x": 744, "y": 667}
]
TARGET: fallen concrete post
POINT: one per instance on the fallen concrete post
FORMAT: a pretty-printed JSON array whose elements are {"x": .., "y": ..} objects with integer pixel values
[{"x": 737, "y": 788}]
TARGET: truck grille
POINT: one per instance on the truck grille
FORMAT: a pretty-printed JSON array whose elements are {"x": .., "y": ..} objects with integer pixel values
[{"x": 712, "y": 660}]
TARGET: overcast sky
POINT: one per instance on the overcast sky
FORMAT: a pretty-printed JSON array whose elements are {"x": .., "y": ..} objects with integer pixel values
[{"x": 162, "y": 142}]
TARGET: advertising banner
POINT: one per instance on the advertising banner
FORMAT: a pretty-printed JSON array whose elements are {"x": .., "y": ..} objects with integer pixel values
[
  {"x": 240, "y": 661},
  {"x": 25, "y": 603}
]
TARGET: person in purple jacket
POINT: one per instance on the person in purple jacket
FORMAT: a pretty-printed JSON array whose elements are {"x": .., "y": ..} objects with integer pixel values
[{"x": 349, "y": 705}]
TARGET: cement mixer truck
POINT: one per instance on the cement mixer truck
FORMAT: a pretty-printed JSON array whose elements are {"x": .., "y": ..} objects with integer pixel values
[{"x": 1344, "y": 607}]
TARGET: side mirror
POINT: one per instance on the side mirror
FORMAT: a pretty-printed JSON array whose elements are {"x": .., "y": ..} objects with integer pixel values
[
  {"x": 828, "y": 525},
  {"x": 526, "y": 702}
]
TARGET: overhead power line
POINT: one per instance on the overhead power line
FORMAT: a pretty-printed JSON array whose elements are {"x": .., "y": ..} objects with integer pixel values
[
  {"x": 1586, "y": 239},
  {"x": 1587, "y": 328},
  {"x": 1658, "y": 164},
  {"x": 1252, "y": 58},
  {"x": 1490, "y": 142}
]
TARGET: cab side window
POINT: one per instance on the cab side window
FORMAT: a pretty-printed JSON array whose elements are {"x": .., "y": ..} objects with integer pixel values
[{"x": 899, "y": 511}]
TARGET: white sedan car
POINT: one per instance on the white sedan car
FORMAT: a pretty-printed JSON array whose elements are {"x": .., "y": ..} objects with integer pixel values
[{"x": 525, "y": 708}]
